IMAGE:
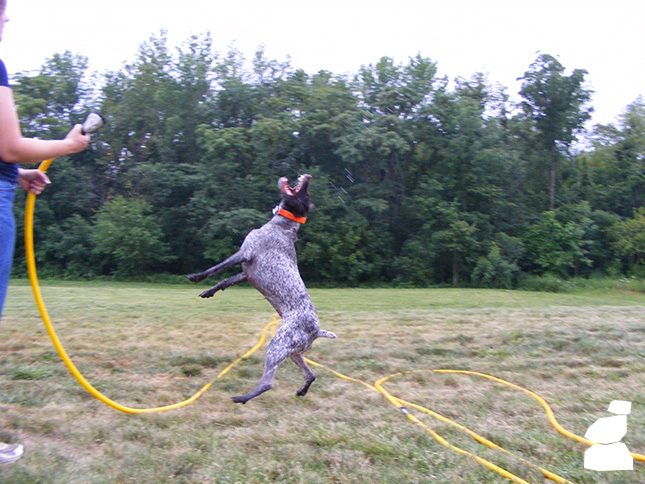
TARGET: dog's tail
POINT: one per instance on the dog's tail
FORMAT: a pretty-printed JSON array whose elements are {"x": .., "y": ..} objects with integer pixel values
[{"x": 326, "y": 334}]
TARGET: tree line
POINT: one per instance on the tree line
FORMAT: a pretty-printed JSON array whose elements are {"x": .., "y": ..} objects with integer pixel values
[{"x": 417, "y": 179}]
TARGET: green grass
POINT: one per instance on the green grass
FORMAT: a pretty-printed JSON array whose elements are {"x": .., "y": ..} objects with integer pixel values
[{"x": 151, "y": 344}]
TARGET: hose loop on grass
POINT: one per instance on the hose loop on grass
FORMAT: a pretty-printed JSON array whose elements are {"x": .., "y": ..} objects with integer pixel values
[
  {"x": 549, "y": 413},
  {"x": 33, "y": 279},
  {"x": 404, "y": 407}
]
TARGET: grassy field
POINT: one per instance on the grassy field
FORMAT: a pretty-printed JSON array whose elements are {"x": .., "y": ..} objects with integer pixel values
[{"x": 147, "y": 345}]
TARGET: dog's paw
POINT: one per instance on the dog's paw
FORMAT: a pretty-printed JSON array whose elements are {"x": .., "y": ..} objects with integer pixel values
[
  {"x": 241, "y": 399},
  {"x": 195, "y": 277},
  {"x": 209, "y": 293}
]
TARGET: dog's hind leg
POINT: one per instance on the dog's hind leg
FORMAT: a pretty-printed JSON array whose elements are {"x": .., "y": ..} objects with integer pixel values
[
  {"x": 234, "y": 260},
  {"x": 277, "y": 352},
  {"x": 309, "y": 377},
  {"x": 266, "y": 383},
  {"x": 221, "y": 285}
]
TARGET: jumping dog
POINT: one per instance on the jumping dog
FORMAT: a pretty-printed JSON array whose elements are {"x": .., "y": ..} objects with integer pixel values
[{"x": 268, "y": 259}]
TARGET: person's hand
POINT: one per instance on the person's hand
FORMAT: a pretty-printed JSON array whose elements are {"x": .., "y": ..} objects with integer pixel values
[
  {"x": 33, "y": 181},
  {"x": 77, "y": 140}
]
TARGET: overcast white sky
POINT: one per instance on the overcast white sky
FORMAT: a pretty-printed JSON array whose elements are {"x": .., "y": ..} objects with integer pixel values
[{"x": 497, "y": 37}]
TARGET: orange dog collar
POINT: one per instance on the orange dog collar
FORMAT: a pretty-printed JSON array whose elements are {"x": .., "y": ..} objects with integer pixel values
[{"x": 290, "y": 216}]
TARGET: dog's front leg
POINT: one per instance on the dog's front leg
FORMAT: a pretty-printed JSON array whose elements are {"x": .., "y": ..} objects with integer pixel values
[
  {"x": 234, "y": 260},
  {"x": 221, "y": 285}
]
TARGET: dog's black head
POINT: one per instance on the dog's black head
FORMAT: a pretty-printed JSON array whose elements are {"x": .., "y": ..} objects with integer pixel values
[{"x": 296, "y": 200}]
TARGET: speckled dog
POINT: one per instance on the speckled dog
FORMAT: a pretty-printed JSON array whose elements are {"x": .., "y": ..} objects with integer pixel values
[{"x": 268, "y": 259}]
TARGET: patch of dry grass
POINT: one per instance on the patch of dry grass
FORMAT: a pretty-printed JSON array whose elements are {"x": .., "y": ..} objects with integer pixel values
[{"x": 149, "y": 345}]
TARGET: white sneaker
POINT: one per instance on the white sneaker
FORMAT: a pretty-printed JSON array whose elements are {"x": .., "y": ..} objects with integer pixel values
[{"x": 10, "y": 453}]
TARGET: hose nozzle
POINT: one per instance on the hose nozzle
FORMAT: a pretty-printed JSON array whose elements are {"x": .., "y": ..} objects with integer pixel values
[{"x": 93, "y": 122}]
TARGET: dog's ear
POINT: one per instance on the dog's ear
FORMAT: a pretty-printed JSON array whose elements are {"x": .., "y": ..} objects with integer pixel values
[{"x": 283, "y": 186}]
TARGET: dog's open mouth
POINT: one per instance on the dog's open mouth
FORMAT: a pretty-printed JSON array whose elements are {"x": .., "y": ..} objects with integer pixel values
[{"x": 303, "y": 182}]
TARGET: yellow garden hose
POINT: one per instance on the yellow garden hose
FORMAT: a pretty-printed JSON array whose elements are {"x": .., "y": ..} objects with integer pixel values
[
  {"x": 33, "y": 279},
  {"x": 403, "y": 406}
]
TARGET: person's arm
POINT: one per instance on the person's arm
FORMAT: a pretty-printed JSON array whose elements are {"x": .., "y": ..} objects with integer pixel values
[{"x": 14, "y": 148}]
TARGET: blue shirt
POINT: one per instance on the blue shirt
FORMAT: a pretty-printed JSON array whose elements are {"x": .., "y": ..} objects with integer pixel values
[{"x": 8, "y": 171}]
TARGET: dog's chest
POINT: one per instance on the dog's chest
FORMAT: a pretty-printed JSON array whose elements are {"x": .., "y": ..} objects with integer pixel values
[{"x": 269, "y": 243}]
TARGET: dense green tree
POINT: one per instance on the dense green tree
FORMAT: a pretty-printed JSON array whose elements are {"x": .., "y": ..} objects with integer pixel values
[
  {"x": 127, "y": 239},
  {"x": 69, "y": 250},
  {"x": 377, "y": 143},
  {"x": 629, "y": 241},
  {"x": 493, "y": 270},
  {"x": 612, "y": 176},
  {"x": 558, "y": 107},
  {"x": 554, "y": 247}
]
